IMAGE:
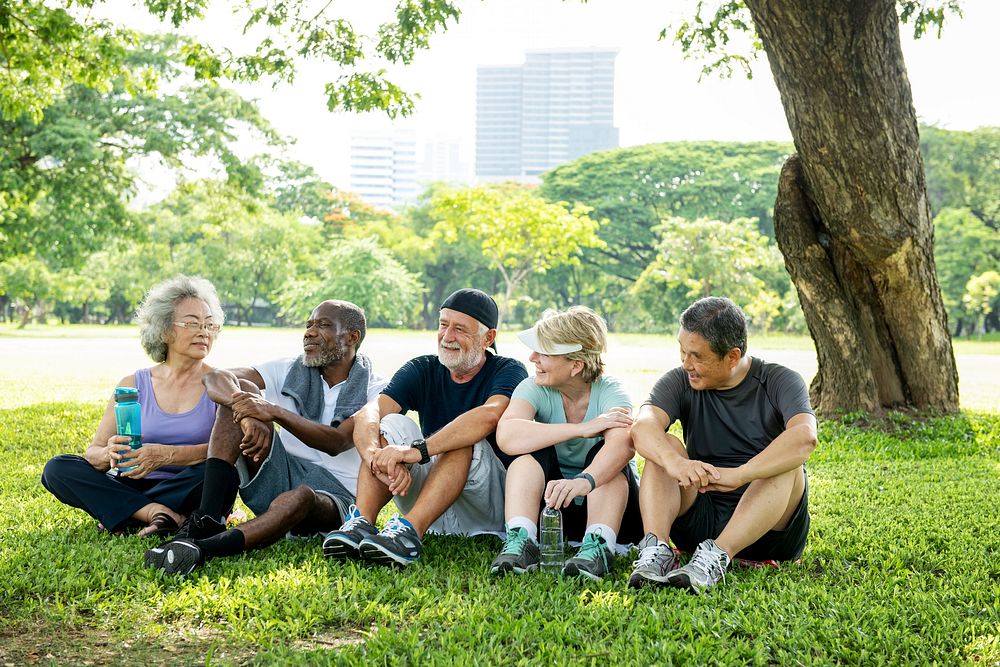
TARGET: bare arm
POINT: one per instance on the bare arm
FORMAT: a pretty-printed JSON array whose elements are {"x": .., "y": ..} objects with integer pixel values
[
  {"x": 519, "y": 433},
  {"x": 667, "y": 451},
  {"x": 222, "y": 384},
  {"x": 788, "y": 451},
  {"x": 367, "y": 422}
]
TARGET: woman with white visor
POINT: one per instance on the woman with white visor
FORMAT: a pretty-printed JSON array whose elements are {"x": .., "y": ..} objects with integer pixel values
[{"x": 568, "y": 426}]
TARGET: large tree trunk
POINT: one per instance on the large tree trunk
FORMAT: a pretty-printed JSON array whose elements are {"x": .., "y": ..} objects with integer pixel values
[{"x": 852, "y": 217}]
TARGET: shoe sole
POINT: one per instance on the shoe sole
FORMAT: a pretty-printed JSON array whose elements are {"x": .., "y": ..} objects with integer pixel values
[
  {"x": 341, "y": 550},
  {"x": 173, "y": 559},
  {"x": 500, "y": 570},
  {"x": 376, "y": 554},
  {"x": 574, "y": 571},
  {"x": 684, "y": 582},
  {"x": 638, "y": 580}
]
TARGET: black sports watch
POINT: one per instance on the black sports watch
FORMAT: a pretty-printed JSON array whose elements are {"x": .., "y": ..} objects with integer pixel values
[{"x": 421, "y": 446}]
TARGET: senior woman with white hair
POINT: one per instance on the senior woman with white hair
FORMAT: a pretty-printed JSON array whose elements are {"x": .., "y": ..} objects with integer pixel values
[
  {"x": 569, "y": 428},
  {"x": 153, "y": 488}
]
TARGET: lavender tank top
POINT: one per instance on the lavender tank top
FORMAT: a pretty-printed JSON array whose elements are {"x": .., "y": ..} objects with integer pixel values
[{"x": 183, "y": 428}]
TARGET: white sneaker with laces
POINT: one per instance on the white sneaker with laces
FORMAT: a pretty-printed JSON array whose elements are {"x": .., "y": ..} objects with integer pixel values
[{"x": 705, "y": 569}]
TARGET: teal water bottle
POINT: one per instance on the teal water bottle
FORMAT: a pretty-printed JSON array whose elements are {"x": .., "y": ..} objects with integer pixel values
[{"x": 128, "y": 415}]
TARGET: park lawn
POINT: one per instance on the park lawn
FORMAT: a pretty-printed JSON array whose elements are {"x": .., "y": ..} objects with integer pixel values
[{"x": 902, "y": 567}]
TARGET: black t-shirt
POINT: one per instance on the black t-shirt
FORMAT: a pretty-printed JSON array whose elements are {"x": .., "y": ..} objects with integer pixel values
[
  {"x": 424, "y": 384},
  {"x": 728, "y": 427}
]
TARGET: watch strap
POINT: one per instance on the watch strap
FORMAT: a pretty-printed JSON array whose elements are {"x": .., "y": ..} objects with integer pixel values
[
  {"x": 590, "y": 478},
  {"x": 421, "y": 446}
]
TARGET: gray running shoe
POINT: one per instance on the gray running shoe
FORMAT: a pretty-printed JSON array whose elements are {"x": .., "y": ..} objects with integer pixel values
[
  {"x": 655, "y": 562},
  {"x": 705, "y": 569},
  {"x": 343, "y": 543},
  {"x": 397, "y": 543},
  {"x": 175, "y": 557},
  {"x": 520, "y": 554},
  {"x": 592, "y": 561}
]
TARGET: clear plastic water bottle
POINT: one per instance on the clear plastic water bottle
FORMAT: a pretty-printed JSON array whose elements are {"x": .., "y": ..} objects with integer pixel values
[
  {"x": 551, "y": 534},
  {"x": 128, "y": 414}
]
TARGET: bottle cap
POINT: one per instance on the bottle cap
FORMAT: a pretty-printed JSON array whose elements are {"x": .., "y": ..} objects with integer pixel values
[{"x": 126, "y": 394}]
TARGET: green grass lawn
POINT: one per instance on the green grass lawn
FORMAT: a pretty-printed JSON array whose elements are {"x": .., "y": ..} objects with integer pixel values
[{"x": 902, "y": 566}]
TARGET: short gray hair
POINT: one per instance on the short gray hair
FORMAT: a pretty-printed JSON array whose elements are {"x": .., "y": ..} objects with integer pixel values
[{"x": 156, "y": 312}]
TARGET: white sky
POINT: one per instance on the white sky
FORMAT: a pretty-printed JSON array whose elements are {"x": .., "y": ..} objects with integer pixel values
[{"x": 657, "y": 94}]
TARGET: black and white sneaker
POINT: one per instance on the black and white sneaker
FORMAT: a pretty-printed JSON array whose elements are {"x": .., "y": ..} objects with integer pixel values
[
  {"x": 343, "y": 543},
  {"x": 397, "y": 543},
  {"x": 199, "y": 526},
  {"x": 175, "y": 557}
]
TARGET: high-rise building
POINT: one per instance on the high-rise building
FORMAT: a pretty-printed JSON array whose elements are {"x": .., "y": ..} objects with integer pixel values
[
  {"x": 556, "y": 107},
  {"x": 384, "y": 168}
]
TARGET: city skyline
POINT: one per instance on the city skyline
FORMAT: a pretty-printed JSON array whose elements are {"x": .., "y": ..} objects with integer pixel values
[{"x": 658, "y": 96}]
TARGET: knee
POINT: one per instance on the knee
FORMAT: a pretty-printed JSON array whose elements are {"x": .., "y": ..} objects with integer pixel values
[
  {"x": 300, "y": 496},
  {"x": 59, "y": 469},
  {"x": 523, "y": 465}
]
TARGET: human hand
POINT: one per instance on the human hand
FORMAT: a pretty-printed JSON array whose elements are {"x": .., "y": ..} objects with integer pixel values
[
  {"x": 729, "y": 480},
  {"x": 613, "y": 418},
  {"x": 559, "y": 493},
  {"x": 399, "y": 484},
  {"x": 256, "y": 442},
  {"x": 117, "y": 449},
  {"x": 692, "y": 473},
  {"x": 140, "y": 462},
  {"x": 246, "y": 404},
  {"x": 391, "y": 457}
]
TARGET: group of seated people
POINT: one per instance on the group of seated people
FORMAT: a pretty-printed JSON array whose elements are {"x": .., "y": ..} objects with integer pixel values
[{"x": 319, "y": 444}]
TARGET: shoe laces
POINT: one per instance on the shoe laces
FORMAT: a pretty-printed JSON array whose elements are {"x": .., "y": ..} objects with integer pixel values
[
  {"x": 593, "y": 546},
  {"x": 516, "y": 539},
  {"x": 708, "y": 562},
  {"x": 357, "y": 518},
  {"x": 652, "y": 555},
  {"x": 395, "y": 527}
]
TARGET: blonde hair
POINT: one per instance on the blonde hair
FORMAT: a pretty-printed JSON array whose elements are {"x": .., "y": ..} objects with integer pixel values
[{"x": 579, "y": 325}]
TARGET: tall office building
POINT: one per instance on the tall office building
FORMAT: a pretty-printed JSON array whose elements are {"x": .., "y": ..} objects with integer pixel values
[
  {"x": 384, "y": 168},
  {"x": 556, "y": 107}
]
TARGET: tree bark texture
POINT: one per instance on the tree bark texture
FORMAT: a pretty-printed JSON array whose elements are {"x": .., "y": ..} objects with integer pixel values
[{"x": 852, "y": 217}]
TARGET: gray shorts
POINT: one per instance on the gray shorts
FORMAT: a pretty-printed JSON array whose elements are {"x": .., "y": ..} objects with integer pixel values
[
  {"x": 282, "y": 472},
  {"x": 479, "y": 508}
]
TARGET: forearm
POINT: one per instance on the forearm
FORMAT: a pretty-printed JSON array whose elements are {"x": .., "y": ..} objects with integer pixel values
[
  {"x": 466, "y": 430},
  {"x": 789, "y": 450},
  {"x": 321, "y": 437},
  {"x": 656, "y": 445},
  {"x": 523, "y": 436},
  {"x": 187, "y": 455},
  {"x": 367, "y": 424},
  {"x": 613, "y": 457},
  {"x": 221, "y": 385}
]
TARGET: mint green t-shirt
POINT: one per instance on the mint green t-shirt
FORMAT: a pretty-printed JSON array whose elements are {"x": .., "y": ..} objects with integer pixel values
[{"x": 605, "y": 393}]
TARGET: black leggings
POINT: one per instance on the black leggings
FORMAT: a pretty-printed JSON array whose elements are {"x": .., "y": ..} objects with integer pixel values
[{"x": 113, "y": 500}]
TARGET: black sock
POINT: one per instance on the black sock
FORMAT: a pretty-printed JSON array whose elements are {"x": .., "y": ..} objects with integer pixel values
[
  {"x": 218, "y": 494},
  {"x": 228, "y": 543}
]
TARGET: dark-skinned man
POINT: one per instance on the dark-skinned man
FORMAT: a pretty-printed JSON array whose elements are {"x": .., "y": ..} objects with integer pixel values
[
  {"x": 298, "y": 479},
  {"x": 447, "y": 475}
]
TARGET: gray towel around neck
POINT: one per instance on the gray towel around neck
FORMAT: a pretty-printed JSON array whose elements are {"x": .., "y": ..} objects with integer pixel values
[{"x": 304, "y": 385}]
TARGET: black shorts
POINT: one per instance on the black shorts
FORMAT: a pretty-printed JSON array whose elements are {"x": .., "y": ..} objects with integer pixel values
[
  {"x": 575, "y": 516},
  {"x": 711, "y": 512}
]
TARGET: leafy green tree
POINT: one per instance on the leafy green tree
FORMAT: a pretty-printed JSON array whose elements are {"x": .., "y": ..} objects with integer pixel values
[
  {"x": 296, "y": 188},
  {"x": 66, "y": 180},
  {"x": 519, "y": 232},
  {"x": 634, "y": 189},
  {"x": 982, "y": 300},
  {"x": 360, "y": 271},
  {"x": 851, "y": 216},
  {"x": 964, "y": 246},
  {"x": 247, "y": 249},
  {"x": 27, "y": 281},
  {"x": 710, "y": 257},
  {"x": 47, "y": 48},
  {"x": 963, "y": 171}
]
